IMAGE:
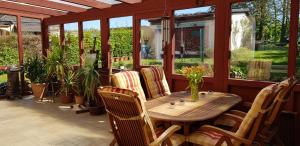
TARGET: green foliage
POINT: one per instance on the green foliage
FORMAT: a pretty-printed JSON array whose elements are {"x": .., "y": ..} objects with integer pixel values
[
  {"x": 239, "y": 70},
  {"x": 90, "y": 79},
  {"x": 57, "y": 64},
  {"x": 242, "y": 54},
  {"x": 121, "y": 42},
  {"x": 69, "y": 82},
  {"x": 35, "y": 69}
]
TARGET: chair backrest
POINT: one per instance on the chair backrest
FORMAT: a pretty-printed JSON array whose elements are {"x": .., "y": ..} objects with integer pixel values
[
  {"x": 129, "y": 80},
  {"x": 280, "y": 101},
  {"x": 259, "y": 70},
  {"x": 129, "y": 121},
  {"x": 155, "y": 81},
  {"x": 258, "y": 112}
]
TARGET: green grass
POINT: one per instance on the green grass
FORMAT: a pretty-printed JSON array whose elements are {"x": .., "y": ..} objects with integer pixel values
[
  {"x": 278, "y": 57},
  {"x": 3, "y": 78}
]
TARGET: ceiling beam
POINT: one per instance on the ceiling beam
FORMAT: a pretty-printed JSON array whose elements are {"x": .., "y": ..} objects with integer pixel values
[
  {"x": 22, "y": 13},
  {"x": 130, "y": 1},
  {"x": 90, "y": 3},
  {"x": 27, "y": 8},
  {"x": 53, "y": 5}
]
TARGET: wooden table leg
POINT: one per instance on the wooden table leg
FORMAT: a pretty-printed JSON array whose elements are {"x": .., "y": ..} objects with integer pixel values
[{"x": 186, "y": 131}]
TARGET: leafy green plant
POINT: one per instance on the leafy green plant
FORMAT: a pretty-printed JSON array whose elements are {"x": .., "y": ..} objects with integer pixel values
[
  {"x": 90, "y": 79},
  {"x": 69, "y": 82},
  {"x": 56, "y": 64},
  {"x": 35, "y": 69}
]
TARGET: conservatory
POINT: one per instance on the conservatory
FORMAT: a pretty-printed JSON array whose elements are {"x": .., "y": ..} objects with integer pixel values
[{"x": 154, "y": 72}]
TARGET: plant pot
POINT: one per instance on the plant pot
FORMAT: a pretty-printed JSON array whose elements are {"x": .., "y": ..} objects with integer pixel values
[
  {"x": 79, "y": 100},
  {"x": 97, "y": 110},
  {"x": 65, "y": 99},
  {"x": 38, "y": 89}
]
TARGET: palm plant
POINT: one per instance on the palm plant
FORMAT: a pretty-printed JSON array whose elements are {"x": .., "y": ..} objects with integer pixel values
[{"x": 90, "y": 79}]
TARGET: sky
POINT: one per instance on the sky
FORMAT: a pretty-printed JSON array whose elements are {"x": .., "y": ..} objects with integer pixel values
[{"x": 126, "y": 21}]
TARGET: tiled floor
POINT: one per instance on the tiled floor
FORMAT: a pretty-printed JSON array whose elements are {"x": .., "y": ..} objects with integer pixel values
[{"x": 27, "y": 123}]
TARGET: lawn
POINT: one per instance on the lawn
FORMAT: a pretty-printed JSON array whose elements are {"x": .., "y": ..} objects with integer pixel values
[{"x": 3, "y": 78}]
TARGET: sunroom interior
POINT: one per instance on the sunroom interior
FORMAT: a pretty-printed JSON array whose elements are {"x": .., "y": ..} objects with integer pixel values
[{"x": 245, "y": 45}]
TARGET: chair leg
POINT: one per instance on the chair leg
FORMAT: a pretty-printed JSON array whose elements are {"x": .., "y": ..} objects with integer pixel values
[
  {"x": 278, "y": 141},
  {"x": 113, "y": 142}
]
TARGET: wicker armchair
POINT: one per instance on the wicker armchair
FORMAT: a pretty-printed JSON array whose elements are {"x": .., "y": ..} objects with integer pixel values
[
  {"x": 155, "y": 81},
  {"x": 248, "y": 126},
  {"x": 129, "y": 120}
]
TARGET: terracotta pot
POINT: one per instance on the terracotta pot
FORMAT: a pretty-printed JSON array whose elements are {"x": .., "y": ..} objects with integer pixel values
[
  {"x": 66, "y": 99},
  {"x": 38, "y": 89},
  {"x": 79, "y": 100}
]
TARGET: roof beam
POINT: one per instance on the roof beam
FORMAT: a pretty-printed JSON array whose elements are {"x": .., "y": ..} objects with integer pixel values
[
  {"x": 53, "y": 5},
  {"x": 130, "y": 1},
  {"x": 22, "y": 13},
  {"x": 27, "y": 8},
  {"x": 90, "y": 3}
]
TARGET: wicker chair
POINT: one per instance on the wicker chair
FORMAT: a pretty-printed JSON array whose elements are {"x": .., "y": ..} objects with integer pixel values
[
  {"x": 248, "y": 126},
  {"x": 155, "y": 81},
  {"x": 129, "y": 120},
  {"x": 129, "y": 80}
]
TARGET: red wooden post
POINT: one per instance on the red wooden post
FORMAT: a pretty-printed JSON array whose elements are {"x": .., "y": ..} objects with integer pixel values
[
  {"x": 169, "y": 61},
  {"x": 21, "y": 51},
  {"x": 20, "y": 40},
  {"x": 45, "y": 38},
  {"x": 136, "y": 43},
  {"x": 105, "y": 50},
  {"x": 293, "y": 43},
  {"x": 62, "y": 35},
  {"x": 221, "y": 52},
  {"x": 80, "y": 40}
]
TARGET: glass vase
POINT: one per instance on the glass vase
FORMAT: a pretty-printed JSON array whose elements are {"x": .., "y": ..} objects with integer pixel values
[{"x": 194, "y": 91}]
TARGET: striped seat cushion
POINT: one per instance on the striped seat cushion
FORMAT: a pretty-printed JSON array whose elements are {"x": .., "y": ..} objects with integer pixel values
[
  {"x": 205, "y": 138},
  {"x": 129, "y": 80},
  {"x": 156, "y": 82}
]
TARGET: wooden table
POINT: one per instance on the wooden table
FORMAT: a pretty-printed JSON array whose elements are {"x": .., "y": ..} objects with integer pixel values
[{"x": 213, "y": 104}]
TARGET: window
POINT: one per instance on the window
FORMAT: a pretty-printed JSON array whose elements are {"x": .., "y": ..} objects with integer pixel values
[
  {"x": 121, "y": 42},
  {"x": 151, "y": 42},
  {"x": 31, "y": 35},
  {"x": 8, "y": 45},
  {"x": 194, "y": 37},
  {"x": 92, "y": 38},
  {"x": 72, "y": 43},
  {"x": 54, "y": 34},
  {"x": 259, "y": 40}
]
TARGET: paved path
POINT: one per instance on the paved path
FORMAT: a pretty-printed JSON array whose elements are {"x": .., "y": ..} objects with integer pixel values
[{"x": 27, "y": 123}]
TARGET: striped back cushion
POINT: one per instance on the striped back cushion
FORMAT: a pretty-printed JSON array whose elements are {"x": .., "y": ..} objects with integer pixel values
[
  {"x": 265, "y": 96},
  {"x": 156, "y": 82},
  {"x": 129, "y": 80}
]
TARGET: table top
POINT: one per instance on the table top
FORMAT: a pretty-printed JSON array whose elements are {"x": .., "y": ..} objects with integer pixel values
[{"x": 209, "y": 105}]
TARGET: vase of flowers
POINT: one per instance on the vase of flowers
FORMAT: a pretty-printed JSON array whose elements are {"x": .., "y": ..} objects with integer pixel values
[{"x": 195, "y": 74}]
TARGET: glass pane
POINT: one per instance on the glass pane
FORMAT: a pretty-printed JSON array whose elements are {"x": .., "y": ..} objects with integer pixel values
[
  {"x": 92, "y": 38},
  {"x": 194, "y": 37},
  {"x": 259, "y": 40},
  {"x": 121, "y": 42},
  {"x": 151, "y": 42},
  {"x": 54, "y": 34},
  {"x": 31, "y": 34},
  {"x": 72, "y": 43},
  {"x": 8, "y": 41}
]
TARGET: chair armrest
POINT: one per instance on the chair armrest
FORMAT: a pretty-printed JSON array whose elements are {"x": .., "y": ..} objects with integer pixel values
[
  {"x": 165, "y": 135},
  {"x": 225, "y": 133},
  {"x": 228, "y": 117},
  {"x": 238, "y": 113}
]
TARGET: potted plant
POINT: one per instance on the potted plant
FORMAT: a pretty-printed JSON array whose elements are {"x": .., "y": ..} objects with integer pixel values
[
  {"x": 90, "y": 82},
  {"x": 57, "y": 67},
  {"x": 35, "y": 71},
  {"x": 67, "y": 88},
  {"x": 79, "y": 89}
]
